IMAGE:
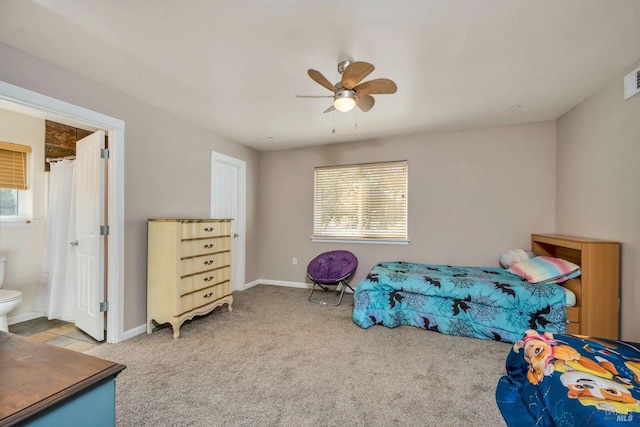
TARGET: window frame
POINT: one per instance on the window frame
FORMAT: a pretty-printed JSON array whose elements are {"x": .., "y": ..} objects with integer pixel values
[
  {"x": 25, "y": 211},
  {"x": 361, "y": 172},
  {"x": 25, "y": 196}
]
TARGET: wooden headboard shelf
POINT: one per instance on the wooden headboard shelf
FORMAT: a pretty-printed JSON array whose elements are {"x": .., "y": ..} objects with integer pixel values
[{"x": 596, "y": 312}]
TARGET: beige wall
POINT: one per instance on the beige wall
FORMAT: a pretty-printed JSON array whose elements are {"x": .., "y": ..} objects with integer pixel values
[
  {"x": 167, "y": 164},
  {"x": 23, "y": 244},
  {"x": 472, "y": 196},
  {"x": 597, "y": 183}
]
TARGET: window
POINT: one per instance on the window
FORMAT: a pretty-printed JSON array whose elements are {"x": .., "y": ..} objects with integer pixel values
[
  {"x": 13, "y": 180},
  {"x": 365, "y": 201},
  {"x": 8, "y": 202}
]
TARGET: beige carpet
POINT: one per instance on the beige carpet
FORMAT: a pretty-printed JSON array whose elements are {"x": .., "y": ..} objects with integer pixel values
[{"x": 278, "y": 360}]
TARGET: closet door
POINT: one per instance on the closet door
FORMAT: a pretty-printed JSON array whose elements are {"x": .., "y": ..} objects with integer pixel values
[
  {"x": 228, "y": 200},
  {"x": 90, "y": 213}
]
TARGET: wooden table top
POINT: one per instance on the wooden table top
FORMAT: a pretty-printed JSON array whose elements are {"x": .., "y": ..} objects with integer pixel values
[{"x": 34, "y": 376}]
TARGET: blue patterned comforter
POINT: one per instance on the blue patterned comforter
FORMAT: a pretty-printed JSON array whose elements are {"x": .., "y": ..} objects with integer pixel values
[{"x": 480, "y": 302}]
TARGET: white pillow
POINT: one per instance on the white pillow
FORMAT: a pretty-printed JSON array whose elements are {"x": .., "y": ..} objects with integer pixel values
[{"x": 515, "y": 256}]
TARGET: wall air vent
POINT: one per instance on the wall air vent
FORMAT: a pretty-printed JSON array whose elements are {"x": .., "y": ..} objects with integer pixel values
[{"x": 632, "y": 83}]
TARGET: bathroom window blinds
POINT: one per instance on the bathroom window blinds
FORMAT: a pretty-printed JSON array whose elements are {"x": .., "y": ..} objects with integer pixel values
[
  {"x": 366, "y": 201},
  {"x": 13, "y": 165}
]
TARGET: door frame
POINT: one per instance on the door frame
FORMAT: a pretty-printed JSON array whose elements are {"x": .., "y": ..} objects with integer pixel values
[
  {"x": 239, "y": 226},
  {"x": 38, "y": 105}
]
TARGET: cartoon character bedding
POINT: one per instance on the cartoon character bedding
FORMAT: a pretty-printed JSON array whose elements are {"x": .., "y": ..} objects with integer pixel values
[
  {"x": 482, "y": 302},
  {"x": 570, "y": 380}
]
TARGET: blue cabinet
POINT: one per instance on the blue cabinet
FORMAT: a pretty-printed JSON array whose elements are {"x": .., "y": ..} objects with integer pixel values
[{"x": 45, "y": 385}]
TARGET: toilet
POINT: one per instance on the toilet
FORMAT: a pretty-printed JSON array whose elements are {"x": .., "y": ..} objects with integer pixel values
[{"x": 8, "y": 299}]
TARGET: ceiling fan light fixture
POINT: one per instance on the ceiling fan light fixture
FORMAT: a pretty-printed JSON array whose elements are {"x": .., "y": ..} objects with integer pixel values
[
  {"x": 351, "y": 91},
  {"x": 344, "y": 100}
]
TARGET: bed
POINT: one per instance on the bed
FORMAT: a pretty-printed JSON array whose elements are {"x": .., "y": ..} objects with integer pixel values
[
  {"x": 480, "y": 302},
  {"x": 500, "y": 303},
  {"x": 570, "y": 380}
]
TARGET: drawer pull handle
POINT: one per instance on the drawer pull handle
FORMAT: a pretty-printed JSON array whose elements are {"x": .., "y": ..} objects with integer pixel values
[
  {"x": 208, "y": 279},
  {"x": 209, "y": 229},
  {"x": 208, "y": 245},
  {"x": 208, "y": 262},
  {"x": 209, "y": 295}
]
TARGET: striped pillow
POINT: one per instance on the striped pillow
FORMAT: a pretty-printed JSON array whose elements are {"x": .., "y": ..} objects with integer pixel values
[
  {"x": 545, "y": 269},
  {"x": 515, "y": 256}
]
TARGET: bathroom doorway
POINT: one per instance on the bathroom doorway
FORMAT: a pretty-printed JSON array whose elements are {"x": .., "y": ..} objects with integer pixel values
[
  {"x": 73, "y": 273},
  {"x": 38, "y": 105}
]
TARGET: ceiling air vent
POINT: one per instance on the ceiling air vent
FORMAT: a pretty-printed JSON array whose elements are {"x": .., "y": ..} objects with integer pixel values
[{"x": 632, "y": 83}]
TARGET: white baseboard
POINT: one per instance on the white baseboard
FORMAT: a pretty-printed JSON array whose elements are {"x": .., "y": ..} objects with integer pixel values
[
  {"x": 138, "y": 330},
  {"x": 301, "y": 285},
  {"x": 24, "y": 317},
  {"x": 278, "y": 283},
  {"x": 250, "y": 285}
]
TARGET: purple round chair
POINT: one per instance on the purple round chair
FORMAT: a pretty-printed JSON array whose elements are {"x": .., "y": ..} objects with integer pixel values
[{"x": 331, "y": 268}]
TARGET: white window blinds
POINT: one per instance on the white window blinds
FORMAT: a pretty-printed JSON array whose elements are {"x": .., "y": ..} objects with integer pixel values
[
  {"x": 361, "y": 201},
  {"x": 13, "y": 165}
]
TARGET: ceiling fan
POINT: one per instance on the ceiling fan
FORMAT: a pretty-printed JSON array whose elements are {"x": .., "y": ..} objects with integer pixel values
[{"x": 349, "y": 92}]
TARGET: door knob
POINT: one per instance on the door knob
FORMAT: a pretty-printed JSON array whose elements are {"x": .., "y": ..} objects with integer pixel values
[
  {"x": 74, "y": 243},
  {"x": 235, "y": 235}
]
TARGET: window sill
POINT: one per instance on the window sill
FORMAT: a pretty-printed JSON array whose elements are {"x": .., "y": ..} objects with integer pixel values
[
  {"x": 360, "y": 241},
  {"x": 16, "y": 223}
]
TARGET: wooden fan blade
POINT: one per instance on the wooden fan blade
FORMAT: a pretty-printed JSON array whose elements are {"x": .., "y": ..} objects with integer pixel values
[
  {"x": 321, "y": 80},
  {"x": 376, "y": 87},
  {"x": 365, "y": 102},
  {"x": 354, "y": 73},
  {"x": 330, "y": 109}
]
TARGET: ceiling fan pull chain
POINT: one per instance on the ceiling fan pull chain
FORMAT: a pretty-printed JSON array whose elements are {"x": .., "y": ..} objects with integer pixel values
[
  {"x": 355, "y": 125},
  {"x": 333, "y": 121}
]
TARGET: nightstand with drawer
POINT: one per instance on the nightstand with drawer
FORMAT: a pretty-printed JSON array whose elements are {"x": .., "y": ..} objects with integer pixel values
[{"x": 597, "y": 290}]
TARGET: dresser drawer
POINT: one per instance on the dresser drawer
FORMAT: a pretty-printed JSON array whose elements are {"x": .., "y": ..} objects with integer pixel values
[
  {"x": 204, "y": 263},
  {"x": 573, "y": 328},
  {"x": 204, "y": 280},
  {"x": 197, "y": 230},
  {"x": 573, "y": 314},
  {"x": 203, "y": 297},
  {"x": 189, "y": 248},
  {"x": 573, "y": 320}
]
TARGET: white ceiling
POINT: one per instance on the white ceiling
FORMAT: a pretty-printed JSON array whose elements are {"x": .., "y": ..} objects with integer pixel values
[{"x": 235, "y": 66}]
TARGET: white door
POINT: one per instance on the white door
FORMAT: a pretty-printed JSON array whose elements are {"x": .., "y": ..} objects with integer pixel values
[
  {"x": 228, "y": 200},
  {"x": 89, "y": 179}
]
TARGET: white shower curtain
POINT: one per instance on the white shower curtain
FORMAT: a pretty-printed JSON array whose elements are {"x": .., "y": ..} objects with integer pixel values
[{"x": 57, "y": 288}]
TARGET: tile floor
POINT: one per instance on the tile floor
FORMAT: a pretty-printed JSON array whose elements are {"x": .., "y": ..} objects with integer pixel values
[{"x": 56, "y": 332}]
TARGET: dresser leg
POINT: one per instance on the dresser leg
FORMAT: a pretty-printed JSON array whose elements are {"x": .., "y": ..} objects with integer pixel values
[{"x": 176, "y": 330}]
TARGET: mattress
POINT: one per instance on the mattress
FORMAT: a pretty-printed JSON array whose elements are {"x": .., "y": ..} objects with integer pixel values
[{"x": 570, "y": 297}]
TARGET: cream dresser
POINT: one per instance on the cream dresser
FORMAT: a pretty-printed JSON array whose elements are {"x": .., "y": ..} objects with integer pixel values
[{"x": 188, "y": 269}]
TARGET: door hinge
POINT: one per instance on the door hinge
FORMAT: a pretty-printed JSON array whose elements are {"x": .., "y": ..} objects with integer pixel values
[
  {"x": 104, "y": 230},
  {"x": 104, "y": 153},
  {"x": 104, "y": 306}
]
